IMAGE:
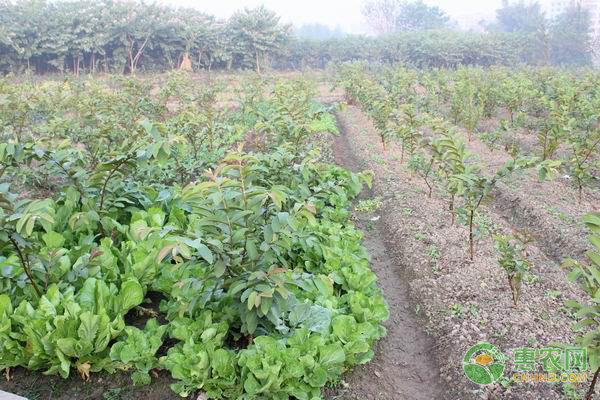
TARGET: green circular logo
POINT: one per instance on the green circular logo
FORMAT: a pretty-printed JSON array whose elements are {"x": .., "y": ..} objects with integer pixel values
[{"x": 483, "y": 364}]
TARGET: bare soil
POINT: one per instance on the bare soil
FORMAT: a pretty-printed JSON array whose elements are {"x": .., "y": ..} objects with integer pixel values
[
  {"x": 101, "y": 386},
  {"x": 462, "y": 302},
  {"x": 403, "y": 366},
  {"x": 549, "y": 209}
]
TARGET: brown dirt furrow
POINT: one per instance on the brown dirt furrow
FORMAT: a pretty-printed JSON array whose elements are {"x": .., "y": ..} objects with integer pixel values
[
  {"x": 549, "y": 209},
  {"x": 403, "y": 366},
  {"x": 460, "y": 302}
]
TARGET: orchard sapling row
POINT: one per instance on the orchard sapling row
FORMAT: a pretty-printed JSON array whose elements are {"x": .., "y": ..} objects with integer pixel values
[
  {"x": 588, "y": 310},
  {"x": 512, "y": 260}
]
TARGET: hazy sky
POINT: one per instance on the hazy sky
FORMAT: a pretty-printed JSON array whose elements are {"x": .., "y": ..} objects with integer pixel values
[{"x": 345, "y": 13}]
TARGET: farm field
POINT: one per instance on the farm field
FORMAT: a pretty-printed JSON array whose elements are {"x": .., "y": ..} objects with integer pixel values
[{"x": 346, "y": 234}]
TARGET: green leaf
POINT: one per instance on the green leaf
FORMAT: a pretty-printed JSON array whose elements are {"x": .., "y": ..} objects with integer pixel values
[
  {"x": 89, "y": 326},
  {"x": 592, "y": 221},
  {"x": 46, "y": 307},
  {"x": 208, "y": 334},
  {"x": 131, "y": 295},
  {"x": 5, "y": 305},
  {"x": 205, "y": 253},
  {"x": 128, "y": 354},
  {"x": 219, "y": 269},
  {"x": 53, "y": 240},
  {"x": 67, "y": 346},
  {"x": 252, "y": 299},
  {"x": 332, "y": 354},
  {"x": 29, "y": 226},
  {"x": 318, "y": 377},
  {"x": 251, "y": 249},
  {"x": 251, "y": 322},
  {"x": 87, "y": 295},
  {"x": 141, "y": 378},
  {"x": 115, "y": 351},
  {"x": 278, "y": 197},
  {"x": 139, "y": 230}
]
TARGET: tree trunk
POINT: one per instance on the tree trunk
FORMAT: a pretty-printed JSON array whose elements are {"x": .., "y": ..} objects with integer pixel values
[
  {"x": 200, "y": 53},
  {"x": 590, "y": 392},
  {"x": 451, "y": 208},
  {"x": 106, "y": 69},
  {"x": 130, "y": 51},
  {"x": 402, "y": 153},
  {"x": 430, "y": 188},
  {"x": 257, "y": 61},
  {"x": 471, "y": 246},
  {"x": 513, "y": 289}
]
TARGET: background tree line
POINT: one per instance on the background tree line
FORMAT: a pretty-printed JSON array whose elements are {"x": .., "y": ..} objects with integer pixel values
[
  {"x": 124, "y": 36},
  {"x": 566, "y": 39},
  {"x": 422, "y": 49}
]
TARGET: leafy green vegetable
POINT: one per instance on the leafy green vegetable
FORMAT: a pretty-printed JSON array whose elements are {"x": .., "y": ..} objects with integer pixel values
[
  {"x": 252, "y": 252},
  {"x": 138, "y": 348}
]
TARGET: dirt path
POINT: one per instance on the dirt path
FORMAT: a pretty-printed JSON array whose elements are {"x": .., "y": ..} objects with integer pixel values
[{"x": 403, "y": 366}]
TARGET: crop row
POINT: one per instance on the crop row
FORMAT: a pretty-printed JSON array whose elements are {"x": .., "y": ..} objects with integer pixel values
[
  {"x": 425, "y": 112},
  {"x": 111, "y": 193}
]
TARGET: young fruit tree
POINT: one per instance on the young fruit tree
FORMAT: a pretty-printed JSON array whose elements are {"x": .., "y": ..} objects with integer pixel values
[
  {"x": 511, "y": 259},
  {"x": 588, "y": 311},
  {"x": 474, "y": 188}
]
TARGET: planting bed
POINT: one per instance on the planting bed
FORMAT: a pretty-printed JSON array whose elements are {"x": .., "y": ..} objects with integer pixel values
[{"x": 461, "y": 302}]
